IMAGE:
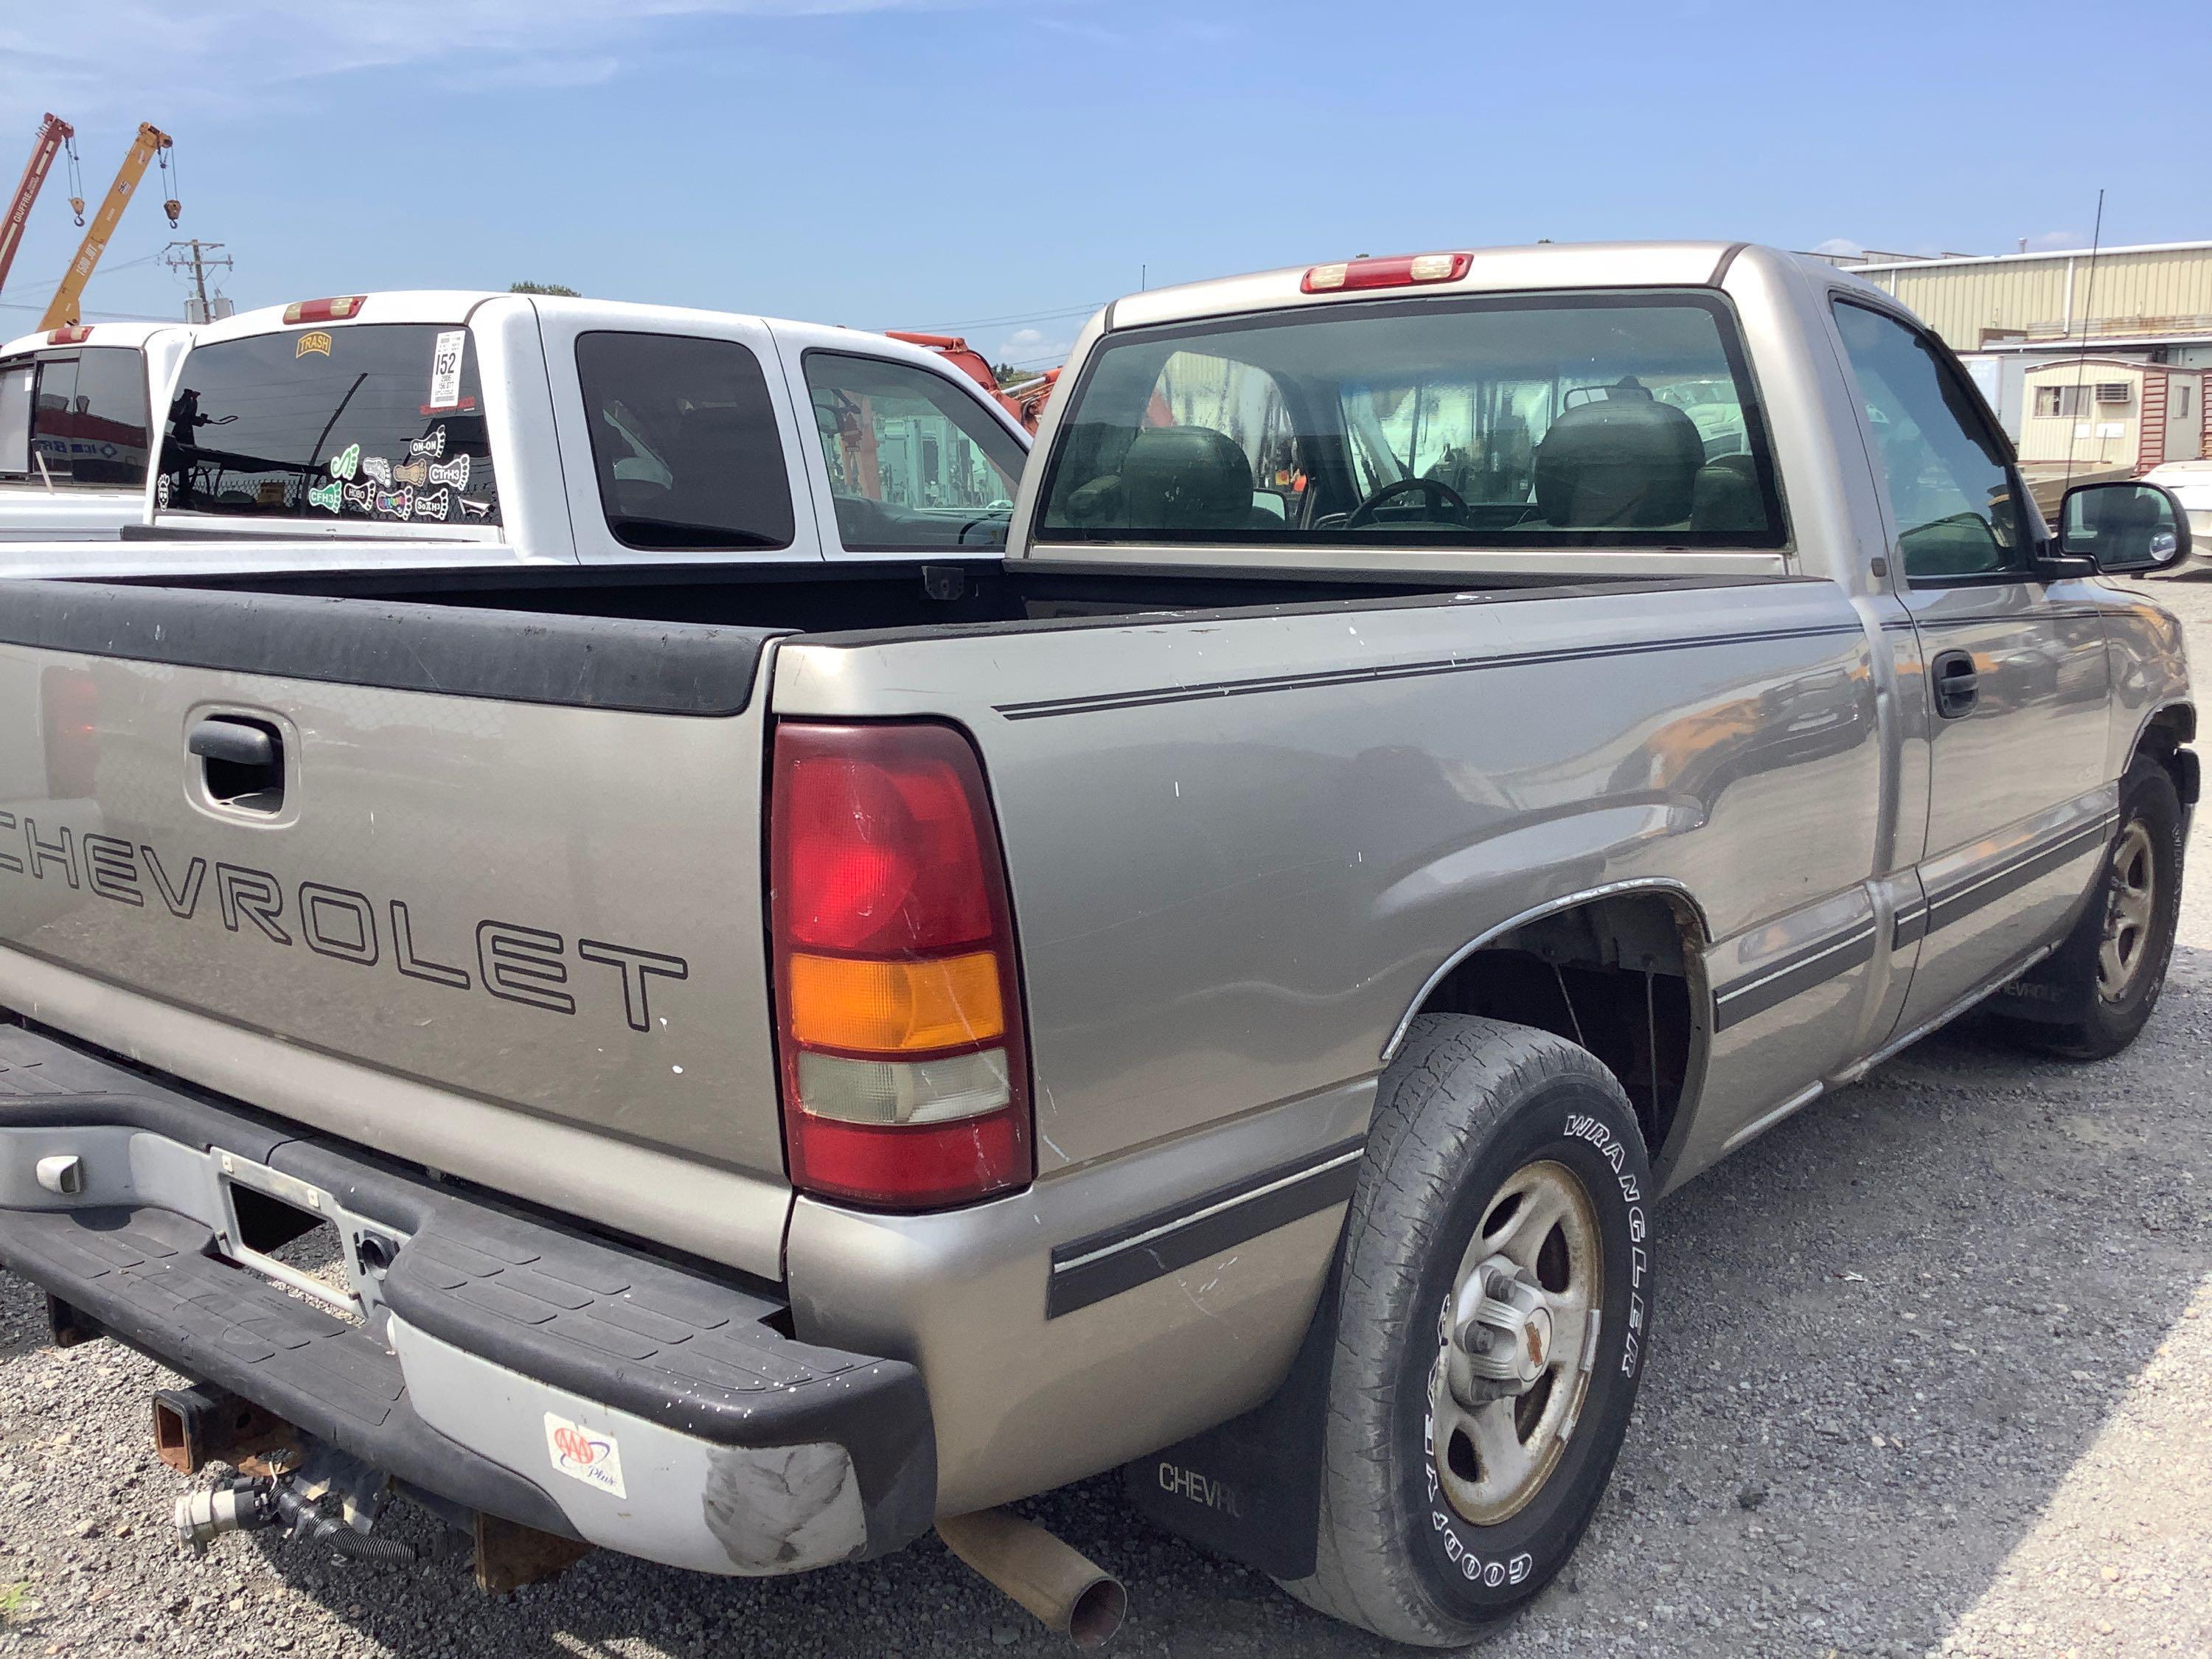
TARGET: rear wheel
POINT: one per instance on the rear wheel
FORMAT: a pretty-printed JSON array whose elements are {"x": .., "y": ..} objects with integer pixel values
[
  {"x": 2102, "y": 983},
  {"x": 1491, "y": 1332}
]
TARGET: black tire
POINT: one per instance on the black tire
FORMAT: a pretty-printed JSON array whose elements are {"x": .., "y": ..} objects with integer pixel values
[
  {"x": 1467, "y": 1106},
  {"x": 2073, "y": 1017}
]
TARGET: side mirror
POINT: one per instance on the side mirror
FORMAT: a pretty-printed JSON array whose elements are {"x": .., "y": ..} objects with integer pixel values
[{"x": 2124, "y": 527}]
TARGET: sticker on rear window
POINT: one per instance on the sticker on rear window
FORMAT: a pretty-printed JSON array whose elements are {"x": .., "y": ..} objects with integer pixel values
[
  {"x": 586, "y": 1453},
  {"x": 446, "y": 369}
]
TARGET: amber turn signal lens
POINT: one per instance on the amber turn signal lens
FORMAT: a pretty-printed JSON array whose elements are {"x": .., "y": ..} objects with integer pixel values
[{"x": 895, "y": 1007}]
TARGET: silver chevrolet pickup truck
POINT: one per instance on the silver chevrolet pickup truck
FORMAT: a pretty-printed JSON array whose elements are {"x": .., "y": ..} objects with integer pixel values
[{"x": 780, "y": 1057}]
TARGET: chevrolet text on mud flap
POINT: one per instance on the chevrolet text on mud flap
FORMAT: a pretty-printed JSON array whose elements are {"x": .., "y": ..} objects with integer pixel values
[
  {"x": 1451, "y": 747},
  {"x": 513, "y": 962}
]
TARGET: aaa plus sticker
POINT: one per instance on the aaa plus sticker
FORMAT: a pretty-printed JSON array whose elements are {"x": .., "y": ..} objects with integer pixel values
[{"x": 446, "y": 369}]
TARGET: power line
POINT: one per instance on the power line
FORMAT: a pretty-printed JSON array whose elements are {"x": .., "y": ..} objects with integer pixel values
[
  {"x": 105, "y": 270},
  {"x": 990, "y": 322},
  {"x": 98, "y": 316}
]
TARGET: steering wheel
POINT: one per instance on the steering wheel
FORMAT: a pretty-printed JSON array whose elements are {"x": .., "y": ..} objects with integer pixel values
[{"x": 1438, "y": 497}]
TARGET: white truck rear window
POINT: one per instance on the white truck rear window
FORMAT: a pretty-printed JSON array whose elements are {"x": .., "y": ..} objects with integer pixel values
[{"x": 381, "y": 422}]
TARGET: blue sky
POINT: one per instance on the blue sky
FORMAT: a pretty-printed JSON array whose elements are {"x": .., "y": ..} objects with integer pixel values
[{"x": 1002, "y": 167}]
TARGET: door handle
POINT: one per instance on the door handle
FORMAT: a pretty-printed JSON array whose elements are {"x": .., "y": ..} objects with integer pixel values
[
  {"x": 241, "y": 762},
  {"x": 1958, "y": 683},
  {"x": 232, "y": 741}
]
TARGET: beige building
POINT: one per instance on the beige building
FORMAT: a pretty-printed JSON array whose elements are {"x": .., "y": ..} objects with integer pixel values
[
  {"x": 2008, "y": 314},
  {"x": 2105, "y": 414},
  {"x": 2158, "y": 292}
]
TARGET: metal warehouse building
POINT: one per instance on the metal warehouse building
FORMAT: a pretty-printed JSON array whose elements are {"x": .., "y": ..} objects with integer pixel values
[{"x": 2012, "y": 312}]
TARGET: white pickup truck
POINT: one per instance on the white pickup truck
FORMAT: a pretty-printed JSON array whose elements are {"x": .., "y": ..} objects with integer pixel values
[
  {"x": 75, "y": 425},
  {"x": 456, "y": 431}
]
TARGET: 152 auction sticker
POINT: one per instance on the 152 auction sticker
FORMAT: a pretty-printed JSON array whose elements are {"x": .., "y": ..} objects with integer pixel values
[
  {"x": 590, "y": 1455},
  {"x": 446, "y": 369}
]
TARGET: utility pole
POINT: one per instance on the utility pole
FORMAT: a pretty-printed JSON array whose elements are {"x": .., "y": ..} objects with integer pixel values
[{"x": 197, "y": 261}]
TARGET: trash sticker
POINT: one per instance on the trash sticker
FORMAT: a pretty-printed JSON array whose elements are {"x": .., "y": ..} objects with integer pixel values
[
  {"x": 585, "y": 1454},
  {"x": 346, "y": 462},
  {"x": 314, "y": 341},
  {"x": 446, "y": 369},
  {"x": 432, "y": 444}
]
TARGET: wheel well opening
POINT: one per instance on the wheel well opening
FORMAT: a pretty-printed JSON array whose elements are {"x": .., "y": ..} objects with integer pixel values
[
  {"x": 1618, "y": 975},
  {"x": 2163, "y": 739}
]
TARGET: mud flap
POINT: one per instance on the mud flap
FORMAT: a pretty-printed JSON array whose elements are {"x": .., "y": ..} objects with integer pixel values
[{"x": 1250, "y": 1489}]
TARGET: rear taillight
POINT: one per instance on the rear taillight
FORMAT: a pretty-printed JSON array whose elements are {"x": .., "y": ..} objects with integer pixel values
[{"x": 898, "y": 1009}]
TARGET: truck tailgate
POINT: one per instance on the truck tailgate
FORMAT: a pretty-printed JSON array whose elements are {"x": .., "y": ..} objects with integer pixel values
[{"x": 493, "y": 905}]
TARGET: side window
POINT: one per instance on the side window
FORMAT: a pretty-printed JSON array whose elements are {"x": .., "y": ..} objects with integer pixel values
[
  {"x": 107, "y": 419},
  {"x": 53, "y": 416},
  {"x": 16, "y": 418},
  {"x": 685, "y": 442},
  {"x": 1950, "y": 489},
  {"x": 914, "y": 462}
]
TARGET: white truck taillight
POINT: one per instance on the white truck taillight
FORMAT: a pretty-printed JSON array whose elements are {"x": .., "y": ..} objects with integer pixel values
[{"x": 898, "y": 1008}]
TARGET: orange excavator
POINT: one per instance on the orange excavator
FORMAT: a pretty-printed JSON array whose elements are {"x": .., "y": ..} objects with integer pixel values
[{"x": 1024, "y": 400}]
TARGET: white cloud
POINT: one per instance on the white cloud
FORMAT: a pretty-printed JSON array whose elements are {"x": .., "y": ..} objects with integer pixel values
[
  {"x": 1842, "y": 246},
  {"x": 2051, "y": 239},
  {"x": 154, "y": 56},
  {"x": 1034, "y": 348}
]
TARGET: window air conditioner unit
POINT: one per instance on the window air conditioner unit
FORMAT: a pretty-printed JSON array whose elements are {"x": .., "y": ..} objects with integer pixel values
[{"x": 2111, "y": 392}]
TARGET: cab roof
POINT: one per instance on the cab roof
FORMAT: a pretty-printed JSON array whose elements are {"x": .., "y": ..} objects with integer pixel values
[
  {"x": 1533, "y": 267},
  {"x": 133, "y": 336}
]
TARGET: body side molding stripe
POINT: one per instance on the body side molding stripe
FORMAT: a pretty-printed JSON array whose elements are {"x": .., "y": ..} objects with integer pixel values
[
  {"x": 1774, "y": 985},
  {"x": 1106, "y": 700},
  {"x": 1962, "y": 899},
  {"x": 1103, "y": 1264}
]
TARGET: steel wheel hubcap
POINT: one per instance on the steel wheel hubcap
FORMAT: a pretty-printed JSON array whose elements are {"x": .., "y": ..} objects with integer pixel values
[
  {"x": 2130, "y": 901},
  {"x": 1516, "y": 1344}
]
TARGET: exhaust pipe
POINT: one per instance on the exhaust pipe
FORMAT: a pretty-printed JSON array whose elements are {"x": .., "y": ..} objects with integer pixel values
[{"x": 1068, "y": 1591}]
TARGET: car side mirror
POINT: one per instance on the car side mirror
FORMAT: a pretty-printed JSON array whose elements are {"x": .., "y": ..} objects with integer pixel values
[{"x": 2124, "y": 527}]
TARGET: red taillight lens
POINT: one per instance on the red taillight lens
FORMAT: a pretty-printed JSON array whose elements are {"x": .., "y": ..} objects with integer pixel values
[
  {"x": 69, "y": 334},
  {"x": 898, "y": 1006},
  {"x": 1409, "y": 271},
  {"x": 325, "y": 310}
]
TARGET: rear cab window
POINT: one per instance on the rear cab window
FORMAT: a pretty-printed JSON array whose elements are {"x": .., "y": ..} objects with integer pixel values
[
  {"x": 1617, "y": 420},
  {"x": 75, "y": 419},
  {"x": 684, "y": 442},
  {"x": 366, "y": 423}
]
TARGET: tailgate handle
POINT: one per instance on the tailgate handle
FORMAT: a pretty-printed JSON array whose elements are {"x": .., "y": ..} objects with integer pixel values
[
  {"x": 241, "y": 762},
  {"x": 233, "y": 741}
]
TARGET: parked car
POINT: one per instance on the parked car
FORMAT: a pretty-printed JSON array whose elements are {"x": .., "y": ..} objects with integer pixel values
[
  {"x": 823, "y": 1029},
  {"x": 75, "y": 426},
  {"x": 2192, "y": 484}
]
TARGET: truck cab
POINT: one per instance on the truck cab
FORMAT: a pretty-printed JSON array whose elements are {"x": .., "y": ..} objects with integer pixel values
[
  {"x": 455, "y": 430},
  {"x": 77, "y": 426}
]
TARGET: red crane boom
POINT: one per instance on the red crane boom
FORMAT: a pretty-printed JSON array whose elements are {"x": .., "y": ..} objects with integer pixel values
[{"x": 54, "y": 133}]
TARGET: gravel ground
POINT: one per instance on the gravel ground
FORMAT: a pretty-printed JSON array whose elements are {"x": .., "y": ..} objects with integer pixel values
[{"x": 1934, "y": 1375}]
